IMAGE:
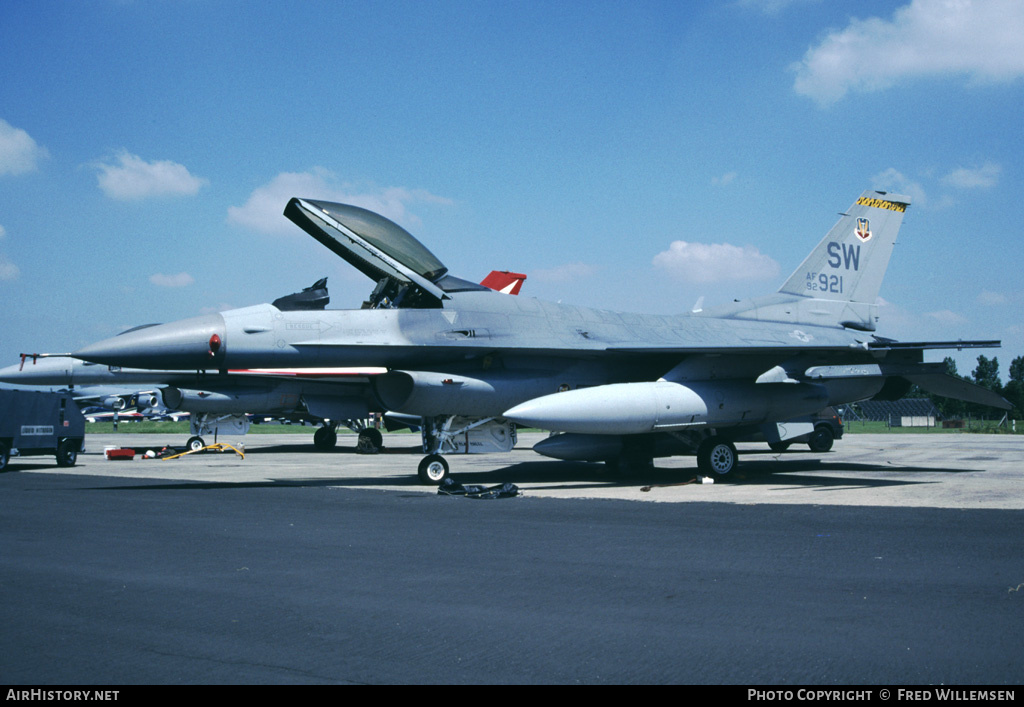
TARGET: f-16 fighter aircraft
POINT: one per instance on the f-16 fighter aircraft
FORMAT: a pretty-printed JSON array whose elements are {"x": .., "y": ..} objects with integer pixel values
[
  {"x": 219, "y": 404},
  {"x": 623, "y": 388}
]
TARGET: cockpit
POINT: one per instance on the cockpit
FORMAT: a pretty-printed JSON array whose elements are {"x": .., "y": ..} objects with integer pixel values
[{"x": 406, "y": 272}]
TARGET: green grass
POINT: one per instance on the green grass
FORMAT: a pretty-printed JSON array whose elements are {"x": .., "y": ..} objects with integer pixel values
[
  {"x": 851, "y": 427},
  {"x": 182, "y": 428},
  {"x": 972, "y": 427}
]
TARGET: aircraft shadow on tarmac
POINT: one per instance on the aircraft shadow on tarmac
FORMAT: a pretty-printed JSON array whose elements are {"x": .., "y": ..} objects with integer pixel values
[
  {"x": 399, "y": 464},
  {"x": 552, "y": 474},
  {"x": 796, "y": 473},
  {"x": 341, "y": 448},
  {"x": 16, "y": 464}
]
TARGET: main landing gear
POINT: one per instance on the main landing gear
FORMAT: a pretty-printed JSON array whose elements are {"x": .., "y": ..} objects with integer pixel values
[
  {"x": 325, "y": 438},
  {"x": 716, "y": 458},
  {"x": 821, "y": 440},
  {"x": 208, "y": 423},
  {"x": 370, "y": 439}
]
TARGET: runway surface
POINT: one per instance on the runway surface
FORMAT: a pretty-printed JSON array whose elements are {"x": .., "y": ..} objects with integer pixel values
[{"x": 291, "y": 566}]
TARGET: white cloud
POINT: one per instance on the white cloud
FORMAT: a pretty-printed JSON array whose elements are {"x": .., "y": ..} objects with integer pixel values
[
  {"x": 570, "y": 272},
  {"x": 894, "y": 317},
  {"x": 718, "y": 262},
  {"x": 19, "y": 153},
  {"x": 772, "y": 7},
  {"x": 947, "y": 317},
  {"x": 983, "y": 40},
  {"x": 222, "y": 307},
  {"x": 991, "y": 299},
  {"x": 893, "y": 180},
  {"x": 133, "y": 178},
  {"x": 3, "y": 232},
  {"x": 8, "y": 270},
  {"x": 725, "y": 179},
  {"x": 982, "y": 177},
  {"x": 263, "y": 210},
  {"x": 182, "y": 279}
]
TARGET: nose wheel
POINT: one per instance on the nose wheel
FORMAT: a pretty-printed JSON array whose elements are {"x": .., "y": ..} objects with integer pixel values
[{"x": 433, "y": 469}]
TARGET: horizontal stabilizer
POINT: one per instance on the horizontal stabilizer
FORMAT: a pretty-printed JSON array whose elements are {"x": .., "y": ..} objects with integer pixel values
[
  {"x": 959, "y": 345},
  {"x": 959, "y": 389}
]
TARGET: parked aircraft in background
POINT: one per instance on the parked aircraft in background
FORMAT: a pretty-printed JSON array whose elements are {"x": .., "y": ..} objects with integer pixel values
[
  {"x": 624, "y": 388},
  {"x": 217, "y": 404},
  {"x": 104, "y": 401},
  {"x": 100, "y": 403},
  {"x": 222, "y": 404}
]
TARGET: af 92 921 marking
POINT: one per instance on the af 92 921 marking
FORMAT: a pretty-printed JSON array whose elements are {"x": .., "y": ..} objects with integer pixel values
[{"x": 823, "y": 282}]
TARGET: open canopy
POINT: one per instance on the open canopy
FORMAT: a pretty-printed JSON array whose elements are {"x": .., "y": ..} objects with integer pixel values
[{"x": 376, "y": 246}]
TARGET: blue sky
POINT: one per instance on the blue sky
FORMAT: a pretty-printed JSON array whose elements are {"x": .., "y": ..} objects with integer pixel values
[{"x": 631, "y": 156}]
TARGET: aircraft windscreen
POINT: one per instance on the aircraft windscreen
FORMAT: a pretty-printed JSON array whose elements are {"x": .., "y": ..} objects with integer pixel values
[{"x": 387, "y": 236}]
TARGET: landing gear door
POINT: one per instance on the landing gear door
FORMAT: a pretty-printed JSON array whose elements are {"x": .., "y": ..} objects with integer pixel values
[{"x": 784, "y": 431}]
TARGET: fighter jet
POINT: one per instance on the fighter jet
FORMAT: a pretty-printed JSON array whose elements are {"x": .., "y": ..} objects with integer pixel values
[
  {"x": 621, "y": 388},
  {"x": 103, "y": 403},
  {"x": 223, "y": 404}
]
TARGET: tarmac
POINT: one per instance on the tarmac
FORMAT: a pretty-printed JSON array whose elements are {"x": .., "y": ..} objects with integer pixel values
[
  {"x": 894, "y": 560},
  {"x": 900, "y": 470}
]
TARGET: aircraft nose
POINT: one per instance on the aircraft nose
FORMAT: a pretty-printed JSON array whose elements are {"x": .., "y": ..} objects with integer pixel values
[
  {"x": 41, "y": 371},
  {"x": 189, "y": 344},
  {"x": 9, "y": 374}
]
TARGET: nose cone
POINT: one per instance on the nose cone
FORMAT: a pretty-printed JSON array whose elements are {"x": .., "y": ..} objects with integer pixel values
[
  {"x": 189, "y": 344},
  {"x": 41, "y": 371}
]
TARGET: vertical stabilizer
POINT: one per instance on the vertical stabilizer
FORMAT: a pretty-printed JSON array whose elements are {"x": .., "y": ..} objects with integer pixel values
[
  {"x": 838, "y": 283},
  {"x": 850, "y": 262}
]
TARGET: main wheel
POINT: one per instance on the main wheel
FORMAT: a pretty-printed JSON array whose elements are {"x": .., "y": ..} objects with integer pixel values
[
  {"x": 821, "y": 440},
  {"x": 67, "y": 451},
  {"x": 373, "y": 436},
  {"x": 778, "y": 446},
  {"x": 716, "y": 457},
  {"x": 194, "y": 444},
  {"x": 5, "y": 455},
  {"x": 433, "y": 469},
  {"x": 325, "y": 438}
]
